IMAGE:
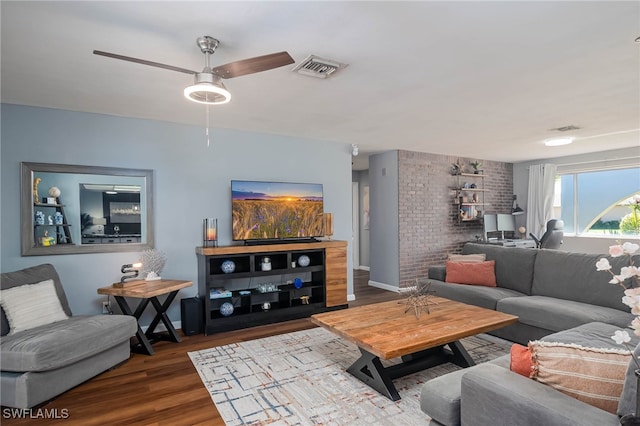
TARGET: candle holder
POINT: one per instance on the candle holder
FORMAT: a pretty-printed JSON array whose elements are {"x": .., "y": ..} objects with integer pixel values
[{"x": 210, "y": 232}]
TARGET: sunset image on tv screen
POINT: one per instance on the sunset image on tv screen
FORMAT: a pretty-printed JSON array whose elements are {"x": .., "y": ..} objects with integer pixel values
[{"x": 270, "y": 210}]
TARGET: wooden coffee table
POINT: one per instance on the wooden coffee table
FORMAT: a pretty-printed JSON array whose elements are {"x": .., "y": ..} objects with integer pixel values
[{"x": 385, "y": 331}]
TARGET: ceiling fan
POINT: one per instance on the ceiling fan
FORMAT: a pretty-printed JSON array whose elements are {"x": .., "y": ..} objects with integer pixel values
[{"x": 208, "y": 87}]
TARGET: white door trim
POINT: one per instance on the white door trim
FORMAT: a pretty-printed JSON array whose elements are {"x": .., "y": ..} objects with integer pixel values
[{"x": 355, "y": 224}]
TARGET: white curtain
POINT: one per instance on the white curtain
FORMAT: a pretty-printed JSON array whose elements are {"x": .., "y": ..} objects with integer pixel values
[{"x": 542, "y": 179}]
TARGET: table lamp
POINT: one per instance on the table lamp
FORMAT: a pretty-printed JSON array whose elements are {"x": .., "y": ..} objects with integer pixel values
[{"x": 130, "y": 271}]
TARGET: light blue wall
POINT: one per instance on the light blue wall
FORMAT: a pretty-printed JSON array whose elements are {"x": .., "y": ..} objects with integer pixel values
[
  {"x": 191, "y": 183},
  {"x": 384, "y": 247}
]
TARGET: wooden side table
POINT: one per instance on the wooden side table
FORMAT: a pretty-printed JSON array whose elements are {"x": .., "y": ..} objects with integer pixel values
[{"x": 148, "y": 291}]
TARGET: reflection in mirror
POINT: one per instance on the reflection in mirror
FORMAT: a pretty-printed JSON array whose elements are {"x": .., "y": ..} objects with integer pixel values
[
  {"x": 85, "y": 209},
  {"x": 110, "y": 214}
]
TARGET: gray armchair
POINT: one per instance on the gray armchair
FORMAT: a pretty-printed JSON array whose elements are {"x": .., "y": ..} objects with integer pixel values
[{"x": 40, "y": 363}]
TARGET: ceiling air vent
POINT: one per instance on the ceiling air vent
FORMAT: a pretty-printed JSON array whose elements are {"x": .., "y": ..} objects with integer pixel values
[
  {"x": 566, "y": 128},
  {"x": 318, "y": 67}
]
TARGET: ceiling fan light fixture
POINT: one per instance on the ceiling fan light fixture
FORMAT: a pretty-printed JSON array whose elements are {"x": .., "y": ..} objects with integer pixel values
[
  {"x": 207, "y": 89},
  {"x": 559, "y": 141}
]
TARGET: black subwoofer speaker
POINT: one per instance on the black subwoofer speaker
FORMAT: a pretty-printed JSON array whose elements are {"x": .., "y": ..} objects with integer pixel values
[{"x": 191, "y": 316}]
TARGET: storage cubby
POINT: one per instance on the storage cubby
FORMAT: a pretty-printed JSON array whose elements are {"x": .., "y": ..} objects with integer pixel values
[{"x": 267, "y": 294}]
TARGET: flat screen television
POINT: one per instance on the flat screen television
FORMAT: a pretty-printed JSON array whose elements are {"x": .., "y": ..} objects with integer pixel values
[{"x": 267, "y": 211}]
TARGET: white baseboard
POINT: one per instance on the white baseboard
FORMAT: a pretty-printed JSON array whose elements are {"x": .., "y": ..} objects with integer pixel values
[
  {"x": 351, "y": 297},
  {"x": 384, "y": 286}
]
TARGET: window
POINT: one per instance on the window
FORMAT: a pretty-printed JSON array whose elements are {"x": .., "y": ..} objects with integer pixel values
[{"x": 599, "y": 203}]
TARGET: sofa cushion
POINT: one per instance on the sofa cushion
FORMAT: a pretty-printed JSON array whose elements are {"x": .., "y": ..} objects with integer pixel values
[
  {"x": 592, "y": 375},
  {"x": 437, "y": 272},
  {"x": 573, "y": 276},
  {"x": 62, "y": 343},
  {"x": 597, "y": 334},
  {"x": 593, "y": 334},
  {"x": 31, "y": 305},
  {"x": 485, "y": 297},
  {"x": 628, "y": 398},
  {"x": 474, "y": 273},
  {"x": 492, "y": 395},
  {"x": 440, "y": 396},
  {"x": 32, "y": 275},
  {"x": 557, "y": 314},
  {"x": 514, "y": 266}
]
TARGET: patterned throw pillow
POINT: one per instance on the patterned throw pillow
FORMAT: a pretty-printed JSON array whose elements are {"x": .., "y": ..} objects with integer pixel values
[
  {"x": 31, "y": 305},
  {"x": 592, "y": 375}
]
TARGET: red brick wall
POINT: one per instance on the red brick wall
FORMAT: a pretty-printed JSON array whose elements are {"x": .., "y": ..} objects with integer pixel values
[{"x": 428, "y": 225}]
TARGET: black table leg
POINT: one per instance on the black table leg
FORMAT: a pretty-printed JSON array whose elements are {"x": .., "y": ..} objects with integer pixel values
[
  {"x": 143, "y": 342},
  {"x": 460, "y": 355},
  {"x": 369, "y": 369},
  {"x": 161, "y": 315}
]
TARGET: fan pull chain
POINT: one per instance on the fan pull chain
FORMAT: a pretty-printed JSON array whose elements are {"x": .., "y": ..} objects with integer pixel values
[{"x": 207, "y": 129}]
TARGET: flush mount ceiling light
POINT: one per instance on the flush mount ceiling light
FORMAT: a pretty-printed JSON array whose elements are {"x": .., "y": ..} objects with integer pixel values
[
  {"x": 207, "y": 89},
  {"x": 559, "y": 141}
]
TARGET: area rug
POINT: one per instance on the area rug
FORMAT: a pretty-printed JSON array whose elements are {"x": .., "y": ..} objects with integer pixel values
[{"x": 300, "y": 379}]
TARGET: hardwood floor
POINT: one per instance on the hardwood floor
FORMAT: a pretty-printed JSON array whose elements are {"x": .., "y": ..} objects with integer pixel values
[{"x": 165, "y": 389}]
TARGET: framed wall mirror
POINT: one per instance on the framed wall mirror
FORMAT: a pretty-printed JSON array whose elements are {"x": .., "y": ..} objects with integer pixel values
[{"x": 69, "y": 209}]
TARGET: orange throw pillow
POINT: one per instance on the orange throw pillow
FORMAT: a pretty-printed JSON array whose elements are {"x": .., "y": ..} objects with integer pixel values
[
  {"x": 477, "y": 273},
  {"x": 520, "y": 360}
]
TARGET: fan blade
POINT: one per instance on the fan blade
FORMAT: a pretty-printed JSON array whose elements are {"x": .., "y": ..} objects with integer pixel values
[
  {"x": 143, "y": 62},
  {"x": 253, "y": 65}
]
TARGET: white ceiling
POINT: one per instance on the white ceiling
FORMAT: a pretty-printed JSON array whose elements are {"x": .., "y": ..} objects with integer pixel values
[{"x": 476, "y": 79}]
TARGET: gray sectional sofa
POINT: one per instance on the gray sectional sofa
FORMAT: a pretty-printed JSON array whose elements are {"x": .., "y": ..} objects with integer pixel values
[
  {"x": 558, "y": 297},
  {"x": 40, "y": 363},
  {"x": 548, "y": 290},
  {"x": 490, "y": 394}
]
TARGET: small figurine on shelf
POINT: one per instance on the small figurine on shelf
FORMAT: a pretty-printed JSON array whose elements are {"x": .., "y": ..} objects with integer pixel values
[
  {"x": 54, "y": 192},
  {"x": 39, "y": 218},
  {"x": 456, "y": 168},
  {"x": 36, "y": 182},
  {"x": 62, "y": 238},
  {"x": 46, "y": 240}
]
